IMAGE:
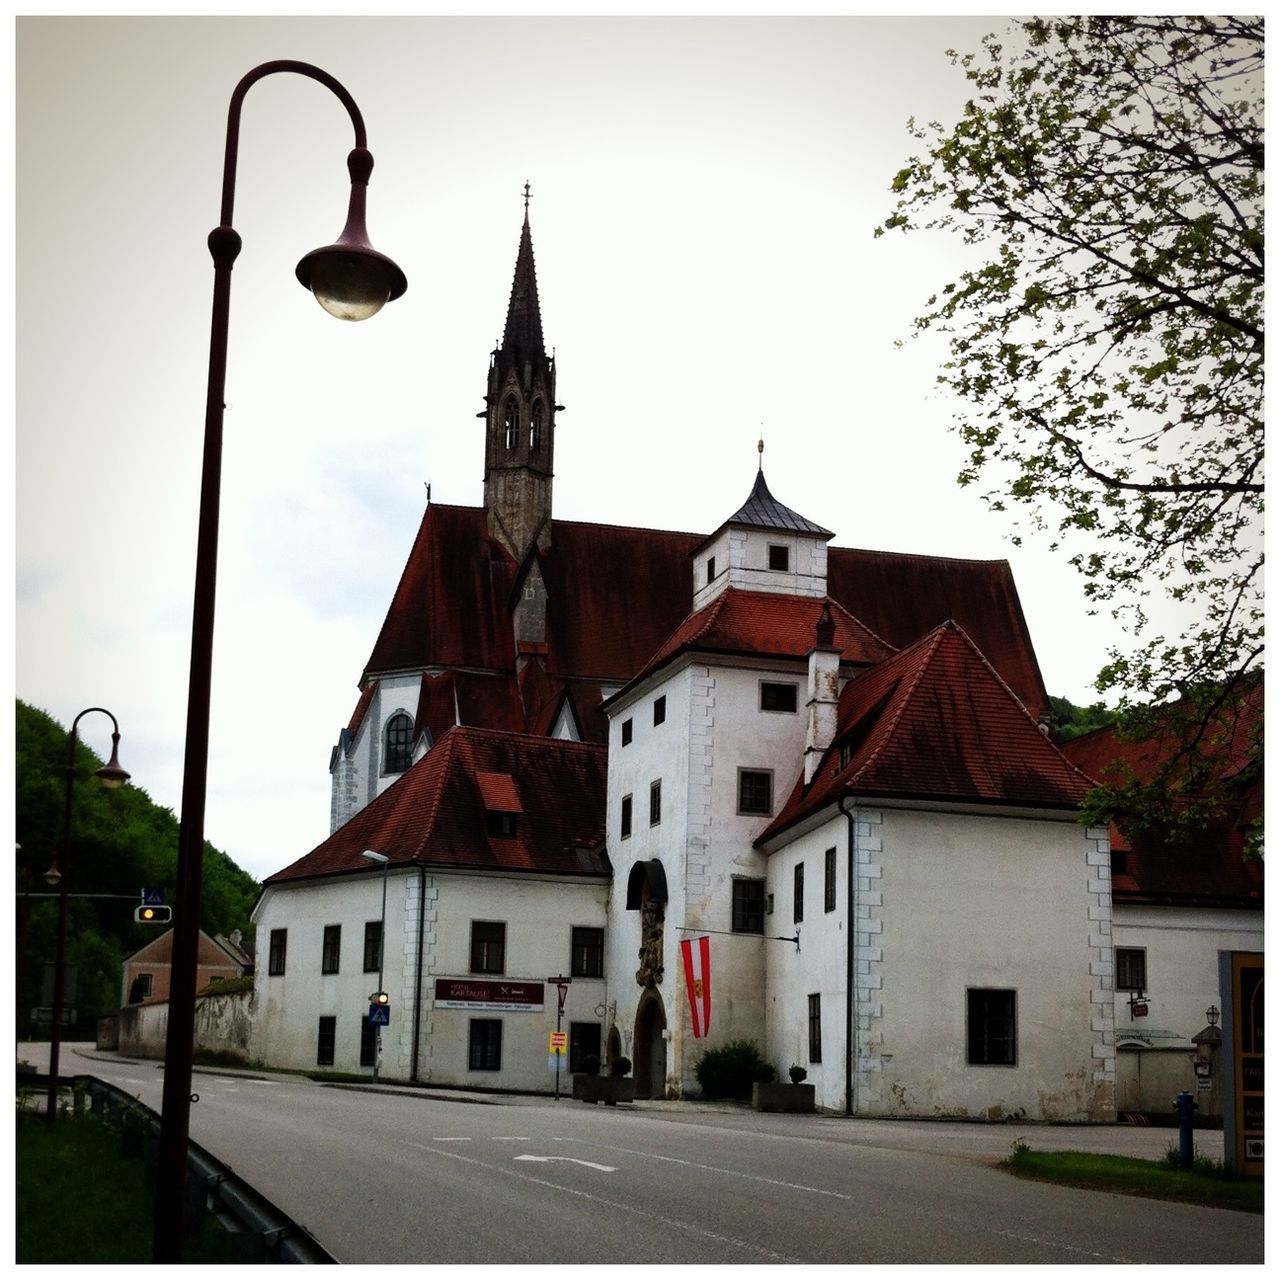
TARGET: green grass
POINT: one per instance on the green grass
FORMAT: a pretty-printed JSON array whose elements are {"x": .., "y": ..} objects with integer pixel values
[
  {"x": 81, "y": 1199},
  {"x": 1207, "y": 1182}
]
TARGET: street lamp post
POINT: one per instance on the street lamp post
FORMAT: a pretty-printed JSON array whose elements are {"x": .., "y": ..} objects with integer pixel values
[
  {"x": 112, "y": 775},
  {"x": 352, "y": 281},
  {"x": 382, "y": 950}
]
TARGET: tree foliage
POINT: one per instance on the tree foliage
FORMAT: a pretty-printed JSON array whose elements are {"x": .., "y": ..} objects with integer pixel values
[
  {"x": 120, "y": 842},
  {"x": 1107, "y": 341}
]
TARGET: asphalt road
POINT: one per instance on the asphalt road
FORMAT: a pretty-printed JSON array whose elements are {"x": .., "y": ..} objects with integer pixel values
[{"x": 394, "y": 1176}]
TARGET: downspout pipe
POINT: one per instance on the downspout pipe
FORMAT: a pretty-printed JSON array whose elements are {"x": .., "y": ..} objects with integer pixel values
[
  {"x": 417, "y": 986},
  {"x": 850, "y": 1019}
]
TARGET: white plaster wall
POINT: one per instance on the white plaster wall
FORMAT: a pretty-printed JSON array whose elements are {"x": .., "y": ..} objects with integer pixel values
[
  {"x": 703, "y": 591},
  {"x": 946, "y": 902},
  {"x": 1182, "y": 945},
  {"x": 539, "y": 913}
]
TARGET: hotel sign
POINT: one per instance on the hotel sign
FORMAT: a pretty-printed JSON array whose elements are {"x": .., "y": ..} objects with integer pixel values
[{"x": 497, "y": 997}]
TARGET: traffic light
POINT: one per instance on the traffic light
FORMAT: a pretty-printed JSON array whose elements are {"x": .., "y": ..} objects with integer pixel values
[
  {"x": 153, "y": 915},
  {"x": 379, "y": 997}
]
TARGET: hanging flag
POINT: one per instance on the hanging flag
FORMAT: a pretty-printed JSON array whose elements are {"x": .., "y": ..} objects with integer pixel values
[{"x": 697, "y": 980}]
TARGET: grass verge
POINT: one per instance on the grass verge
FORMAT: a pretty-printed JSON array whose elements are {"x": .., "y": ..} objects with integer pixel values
[
  {"x": 81, "y": 1199},
  {"x": 1207, "y": 1182}
]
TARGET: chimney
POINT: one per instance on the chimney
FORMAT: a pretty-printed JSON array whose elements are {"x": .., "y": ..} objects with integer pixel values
[{"x": 824, "y": 692}]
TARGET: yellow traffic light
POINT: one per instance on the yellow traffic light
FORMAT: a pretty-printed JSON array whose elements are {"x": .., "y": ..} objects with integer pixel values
[{"x": 153, "y": 915}]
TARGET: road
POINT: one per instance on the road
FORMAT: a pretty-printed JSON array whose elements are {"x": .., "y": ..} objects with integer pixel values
[{"x": 397, "y": 1176}]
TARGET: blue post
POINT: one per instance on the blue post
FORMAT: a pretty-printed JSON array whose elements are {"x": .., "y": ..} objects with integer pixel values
[{"x": 1184, "y": 1104}]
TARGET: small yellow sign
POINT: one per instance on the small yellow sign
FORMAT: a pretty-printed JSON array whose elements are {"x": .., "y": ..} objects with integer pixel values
[{"x": 558, "y": 1042}]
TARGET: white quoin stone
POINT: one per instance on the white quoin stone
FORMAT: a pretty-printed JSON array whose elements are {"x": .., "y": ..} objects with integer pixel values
[{"x": 824, "y": 692}]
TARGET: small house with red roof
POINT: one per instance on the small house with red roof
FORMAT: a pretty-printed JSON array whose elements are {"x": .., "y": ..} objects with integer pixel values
[{"x": 652, "y": 791}]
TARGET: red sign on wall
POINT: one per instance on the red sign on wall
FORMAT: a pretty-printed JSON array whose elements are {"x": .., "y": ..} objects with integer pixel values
[{"x": 470, "y": 993}]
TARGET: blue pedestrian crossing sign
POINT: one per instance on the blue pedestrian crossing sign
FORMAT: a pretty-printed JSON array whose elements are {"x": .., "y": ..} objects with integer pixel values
[
  {"x": 379, "y": 1015},
  {"x": 153, "y": 897}
]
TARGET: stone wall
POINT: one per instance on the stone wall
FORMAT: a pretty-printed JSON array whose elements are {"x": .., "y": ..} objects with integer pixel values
[{"x": 222, "y": 1025}]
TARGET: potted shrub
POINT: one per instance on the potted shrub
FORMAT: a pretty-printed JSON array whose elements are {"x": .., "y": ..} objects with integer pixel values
[
  {"x": 766, "y": 1095},
  {"x": 586, "y": 1082},
  {"x": 616, "y": 1087}
]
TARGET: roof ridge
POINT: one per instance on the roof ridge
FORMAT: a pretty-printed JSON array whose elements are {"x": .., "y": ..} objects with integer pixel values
[
  {"x": 637, "y": 528},
  {"x": 470, "y": 730}
]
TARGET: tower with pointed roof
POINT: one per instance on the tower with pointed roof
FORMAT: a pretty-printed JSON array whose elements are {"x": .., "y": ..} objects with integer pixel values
[{"x": 519, "y": 415}]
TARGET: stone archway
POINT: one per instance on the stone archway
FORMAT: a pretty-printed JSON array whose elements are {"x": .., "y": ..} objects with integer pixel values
[{"x": 650, "y": 1047}]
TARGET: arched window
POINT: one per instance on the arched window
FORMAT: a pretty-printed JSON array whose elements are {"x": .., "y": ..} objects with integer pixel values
[
  {"x": 535, "y": 427},
  {"x": 397, "y": 753},
  {"x": 512, "y": 419}
]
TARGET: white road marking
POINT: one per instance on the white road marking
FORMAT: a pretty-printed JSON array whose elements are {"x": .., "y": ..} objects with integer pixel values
[
  {"x": 497, "y": 1139},
  {"x": 604, "y": 1168},
  {"x": 614, "y": 1204},
  {"x": 450, "y": 1139}
]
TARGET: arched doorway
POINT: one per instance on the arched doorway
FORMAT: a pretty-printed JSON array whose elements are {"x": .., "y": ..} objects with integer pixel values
[{"x": 650, "y": 1065}]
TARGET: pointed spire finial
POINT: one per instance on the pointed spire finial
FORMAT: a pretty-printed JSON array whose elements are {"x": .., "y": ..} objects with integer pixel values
[
  {"x": 760, "y": 447},
  {"x": 526, "y": 199}
]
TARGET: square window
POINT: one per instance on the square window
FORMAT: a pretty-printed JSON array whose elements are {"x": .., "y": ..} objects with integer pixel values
[
  {"x": 777, "y": 697},
  {"x": 372, "y": 946},
  {"x": 659, "y": 709},
  {"x": 626, "y": 733},
  {"x": 488, "y": 946},
  {"x": 797, "y": 913},
  {"x": 584, "y": 1043},
  {"x": 1131, "y": 969},
  {"x": 484, "y": 1049},
  {"x": 779, "y": 557},
  {"x": 587, "y": 952},
  {"x": 655, "y": 803},
  {"x": 829, "y": 880},
  {"x": 275, "y": 956},
  {"x": 992, "y": 1027},
  {"x": 368, "y": 1042},
  {"x": 815, "y": 1028},
  {"x": 626, "y": 817},
  {"x": 330, "y": 949},
  {"x": 325, "y": 1037},
  {"x": 748, "y": 906},
  {"x": 755, "y": 791}
]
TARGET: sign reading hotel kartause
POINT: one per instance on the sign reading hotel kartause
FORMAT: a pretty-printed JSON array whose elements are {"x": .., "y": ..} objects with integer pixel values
[{"x": 498, "y": 997}]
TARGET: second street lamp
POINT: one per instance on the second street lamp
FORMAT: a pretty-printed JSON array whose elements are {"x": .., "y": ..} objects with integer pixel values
[
  {"x": 381, "y": 858},
  {"x": 351, "y": 280}
]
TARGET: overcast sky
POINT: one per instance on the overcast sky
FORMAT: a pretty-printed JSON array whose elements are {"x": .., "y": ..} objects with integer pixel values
[{"x": 704, "y": 194}]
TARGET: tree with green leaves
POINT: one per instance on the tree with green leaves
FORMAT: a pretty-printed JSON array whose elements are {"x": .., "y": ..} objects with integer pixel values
[{"x": 1106, "y": 341}]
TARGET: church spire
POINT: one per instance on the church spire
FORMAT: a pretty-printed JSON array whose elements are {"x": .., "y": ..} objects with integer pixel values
[{"x": 520, "y": 416}]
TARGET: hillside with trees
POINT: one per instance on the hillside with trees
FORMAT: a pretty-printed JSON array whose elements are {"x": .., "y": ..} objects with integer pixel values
[{"x": 121, "y": 841}]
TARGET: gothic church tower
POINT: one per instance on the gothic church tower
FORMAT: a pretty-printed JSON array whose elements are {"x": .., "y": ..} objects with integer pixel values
[{"x": 520, "y": 418}]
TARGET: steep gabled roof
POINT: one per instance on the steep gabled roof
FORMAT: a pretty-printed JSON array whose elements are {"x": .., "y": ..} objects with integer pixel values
[
  {"x": 936, "y": 723},
  {"x": 765, "y": 624},
  {"x": 434, "y": 814}
]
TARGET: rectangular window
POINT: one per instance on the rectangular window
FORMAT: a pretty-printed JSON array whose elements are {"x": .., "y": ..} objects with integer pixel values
[
  {"x": 626, "y": 733},
  {"x": 330, "y": 949},
  {"x": 797, "y": 913},
  {"x": 502, "y": 825},
  {"x": 324, "y": 1041},
  {"x": 655, "y": 803},
  {"x": 275, "y": 956},
  {"x": 829, "y": 880},
  {"x": 711, "y": 568},
  {"x": 372, "y": 946},
  {"x": 1119, "y": 861},
  {"x": 779, "y": 557},
  {"x": 484, "y": 1049},
  {"x": 755, "y": 791},
  {"x": 992, "y": 1027},
  {"x": 368, "y": 1042},
  {"x": 587, "y": 952},
  {"x": 815, "y": 1028},
  {"x": 748, "y": 906},
  {"x": 1131, "y": 969},
  {"x": 488, "y": 946},
  {"x": 777, "y": 697},
  {"x": 626, "y": 817},
  {"x": 660, "y": 709},
  {"x": 584, "y": 1043}
]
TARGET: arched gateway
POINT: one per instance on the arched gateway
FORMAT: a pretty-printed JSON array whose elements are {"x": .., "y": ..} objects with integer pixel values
[{"x": 650, "y": 1064}]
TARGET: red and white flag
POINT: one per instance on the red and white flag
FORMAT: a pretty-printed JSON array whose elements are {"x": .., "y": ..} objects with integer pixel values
[{"x": 697, "y": 981}]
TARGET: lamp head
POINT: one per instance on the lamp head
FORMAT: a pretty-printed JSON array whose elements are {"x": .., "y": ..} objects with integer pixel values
[
  {"x": 380, "y": 858},
  {"x": 350, "y": 278},
  {"x": 52, "y": 876},
  {"x": 111, "y": 774}
]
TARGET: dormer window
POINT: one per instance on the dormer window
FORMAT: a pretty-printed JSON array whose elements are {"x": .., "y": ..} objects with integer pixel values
[
  {"x": 397, "y": 753},
  {"x": 502, "y": 825},
  {"x": 501, "y": 803},
  {"x": 512, "y": 420},
  {"x": 779, "y": 557},
  {"x": 535, "y": 427}
]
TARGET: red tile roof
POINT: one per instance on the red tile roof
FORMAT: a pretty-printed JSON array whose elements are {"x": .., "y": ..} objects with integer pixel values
[
  {"x": 434, "y": 814},
  {"x": 936, "y": 722}
]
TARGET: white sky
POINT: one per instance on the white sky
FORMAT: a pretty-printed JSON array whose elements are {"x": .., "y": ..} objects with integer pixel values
[{"x": 704, "y": 194}]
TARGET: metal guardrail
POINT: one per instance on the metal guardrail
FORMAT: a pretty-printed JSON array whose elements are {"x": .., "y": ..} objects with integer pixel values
[{"x": 257, "y": 1230}]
